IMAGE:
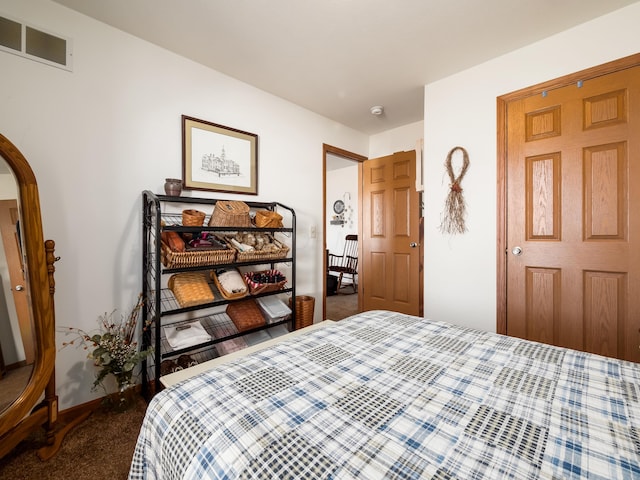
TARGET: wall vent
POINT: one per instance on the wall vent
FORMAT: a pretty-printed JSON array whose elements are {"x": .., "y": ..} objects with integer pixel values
[{"x": 34, "y": 43}]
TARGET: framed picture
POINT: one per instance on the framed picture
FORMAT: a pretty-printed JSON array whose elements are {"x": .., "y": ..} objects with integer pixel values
[{"x": 218, "y": 158}]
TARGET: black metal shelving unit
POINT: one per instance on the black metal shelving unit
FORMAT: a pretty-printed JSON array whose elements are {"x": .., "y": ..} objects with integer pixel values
[{"x": 161, "y": 308}]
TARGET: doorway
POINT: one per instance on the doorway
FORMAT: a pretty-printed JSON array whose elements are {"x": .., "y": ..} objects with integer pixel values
[{"x": 341, "y": 217}]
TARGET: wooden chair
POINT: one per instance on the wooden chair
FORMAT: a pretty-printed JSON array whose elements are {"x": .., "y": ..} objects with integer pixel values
[{"x": 347, "y": 263}]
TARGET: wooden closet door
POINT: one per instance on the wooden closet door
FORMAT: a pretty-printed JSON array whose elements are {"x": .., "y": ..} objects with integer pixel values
[{"x": 573, "y": 216}]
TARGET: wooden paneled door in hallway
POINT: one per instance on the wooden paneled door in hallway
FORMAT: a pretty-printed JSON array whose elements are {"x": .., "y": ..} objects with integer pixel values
[
  {"x": 391, "y": 260},
  {"x": 571, "y": 212},
  {"x": 9, "y": 217}
]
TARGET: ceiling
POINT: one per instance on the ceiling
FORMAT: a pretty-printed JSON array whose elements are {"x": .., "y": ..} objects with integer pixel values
[{"x": 339, "y": 58}]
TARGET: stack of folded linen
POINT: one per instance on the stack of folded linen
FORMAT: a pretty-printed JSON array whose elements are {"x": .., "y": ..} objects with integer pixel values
[{"x": 186, "y": 335}]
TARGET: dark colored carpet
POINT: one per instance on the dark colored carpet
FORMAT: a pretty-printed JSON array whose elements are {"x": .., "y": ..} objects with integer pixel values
[
  {"x": 13, "y": 384},
  {"x": 342, "y": 305},
  {"x": 100, "y": 448}
]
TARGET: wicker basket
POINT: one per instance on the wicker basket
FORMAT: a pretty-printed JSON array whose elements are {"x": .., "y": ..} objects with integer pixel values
[
  {"x": 196, "y": 258},
  {"x": 255, "y": 287},
  {"x": 224, "y": 292},
  {"x": 245, "y": 315},
  {"x": 255, "y": 255},
  {"x": 191, "y": 289},
  {"x": 230, "y": 213},
  {"x": 192, "y": 218},
  {"x": 268, "y": 219},
  {"x": 304, "y": 310}
]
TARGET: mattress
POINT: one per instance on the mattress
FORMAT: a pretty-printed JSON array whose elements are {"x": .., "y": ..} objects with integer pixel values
[{"x": 386, "y": 395}]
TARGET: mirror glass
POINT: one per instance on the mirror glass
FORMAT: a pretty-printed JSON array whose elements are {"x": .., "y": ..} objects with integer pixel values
[{"x": 17, "y": 342}]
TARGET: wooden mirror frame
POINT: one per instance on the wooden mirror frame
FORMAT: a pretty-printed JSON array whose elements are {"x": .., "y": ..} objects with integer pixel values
[{"x": 27, "y": 412}]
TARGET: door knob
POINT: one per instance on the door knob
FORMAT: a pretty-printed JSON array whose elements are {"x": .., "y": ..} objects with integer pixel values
[
  {"x": 19, "y": 288},
  {"x": 413, "y": 244},
  {"x": 517, "y": 251}
]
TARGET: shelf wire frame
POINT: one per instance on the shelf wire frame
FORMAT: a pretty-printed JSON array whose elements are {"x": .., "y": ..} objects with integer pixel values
[{"x": 153, "y": 218}]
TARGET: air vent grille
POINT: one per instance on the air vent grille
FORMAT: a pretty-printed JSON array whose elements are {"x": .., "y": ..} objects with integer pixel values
[
  {"x": 10, "y": 34},
  {"x": 34, "y": 43}
]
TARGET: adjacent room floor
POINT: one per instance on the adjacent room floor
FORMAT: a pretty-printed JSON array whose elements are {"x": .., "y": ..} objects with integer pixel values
[{"x": 342, "y": 305}]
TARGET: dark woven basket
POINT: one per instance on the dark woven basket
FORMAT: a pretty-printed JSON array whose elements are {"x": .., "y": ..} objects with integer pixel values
[{"x": 245, "y": 314}]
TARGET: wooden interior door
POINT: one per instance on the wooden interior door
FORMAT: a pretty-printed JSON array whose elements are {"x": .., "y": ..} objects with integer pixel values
[
  {"x": 391, "y": 263},
  {"x": 8, "y": 227},
  {"x": 573, "y": 228}
]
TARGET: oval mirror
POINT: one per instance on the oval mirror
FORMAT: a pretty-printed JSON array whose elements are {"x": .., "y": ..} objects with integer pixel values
[
  {"x": 28, "y": 409},
  {"x": 17, "y": 347}
]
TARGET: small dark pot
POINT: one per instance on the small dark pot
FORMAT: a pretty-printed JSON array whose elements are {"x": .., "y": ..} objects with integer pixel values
[{"x": 173, "y": 187}]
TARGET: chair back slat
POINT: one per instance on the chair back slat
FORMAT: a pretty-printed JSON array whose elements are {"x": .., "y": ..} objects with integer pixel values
[{"x": 347, "y": 263}]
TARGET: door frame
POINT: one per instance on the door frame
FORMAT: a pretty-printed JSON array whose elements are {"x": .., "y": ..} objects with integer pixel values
[
  {"x": 502, "y": 126},
  {"x": 329, "y": 149}
]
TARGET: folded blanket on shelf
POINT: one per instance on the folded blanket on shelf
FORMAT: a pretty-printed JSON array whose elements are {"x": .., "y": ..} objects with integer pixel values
[{"x": 186, "y": 335}]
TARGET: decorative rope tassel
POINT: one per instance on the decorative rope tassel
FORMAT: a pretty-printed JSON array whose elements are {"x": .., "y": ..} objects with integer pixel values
[{"x": 455, "y": 209}]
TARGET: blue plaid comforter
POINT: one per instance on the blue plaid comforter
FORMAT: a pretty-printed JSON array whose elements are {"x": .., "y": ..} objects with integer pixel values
[{"x": 385, "y": 395}]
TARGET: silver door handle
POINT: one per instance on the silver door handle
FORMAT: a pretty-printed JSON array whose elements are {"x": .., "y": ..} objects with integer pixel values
[
  {"x": 517, "y": 251},
  {"x": 413, "y": 244},
  {"x": 19, "y": 288}
]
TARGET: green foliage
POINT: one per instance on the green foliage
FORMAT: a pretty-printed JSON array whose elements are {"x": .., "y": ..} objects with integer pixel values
[{"x": 114, "y": 349}]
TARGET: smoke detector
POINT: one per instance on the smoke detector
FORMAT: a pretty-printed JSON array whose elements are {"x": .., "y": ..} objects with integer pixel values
[{"x": 377, "y": 110}]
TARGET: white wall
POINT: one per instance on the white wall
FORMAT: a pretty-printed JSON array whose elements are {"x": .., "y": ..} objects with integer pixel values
[
  {"x": 96, "y": 137},
  {"x": 8, "y": 187},
  {"x": 342, "y": 184},
  {"x": 460, "y": 271},
  {"x": 396, "y": 140}
]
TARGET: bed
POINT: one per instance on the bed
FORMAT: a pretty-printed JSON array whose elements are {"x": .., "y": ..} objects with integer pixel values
[{"x": 386, "y": 395}]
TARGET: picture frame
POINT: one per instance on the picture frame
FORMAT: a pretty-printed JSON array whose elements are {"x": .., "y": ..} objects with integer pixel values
[{"x": 218, "y": 158}]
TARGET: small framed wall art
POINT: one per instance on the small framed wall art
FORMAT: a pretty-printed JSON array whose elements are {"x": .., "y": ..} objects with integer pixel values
[{"x": 218, "y": 158}]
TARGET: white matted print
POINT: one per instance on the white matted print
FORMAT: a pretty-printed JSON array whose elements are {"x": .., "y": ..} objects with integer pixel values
[{"x": 218, "y": 158}]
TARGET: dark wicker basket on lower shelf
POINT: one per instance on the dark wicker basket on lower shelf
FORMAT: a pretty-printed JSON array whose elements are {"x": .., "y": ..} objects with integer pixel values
[{"x": 245, "y": 314}]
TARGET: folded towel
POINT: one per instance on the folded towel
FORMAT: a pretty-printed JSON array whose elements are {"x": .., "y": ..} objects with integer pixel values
[{"x": 186, "y": 335}]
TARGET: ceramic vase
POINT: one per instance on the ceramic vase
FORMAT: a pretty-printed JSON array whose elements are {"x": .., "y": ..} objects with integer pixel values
[{"x": 173, "y": 187}]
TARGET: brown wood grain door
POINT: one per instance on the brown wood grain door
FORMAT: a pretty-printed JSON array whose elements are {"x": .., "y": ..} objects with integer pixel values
[
  {"x": 8, "y": 227},
  {"x": 573, "y": 220},
  {"x": 390, "y": 231}
]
